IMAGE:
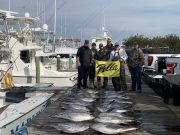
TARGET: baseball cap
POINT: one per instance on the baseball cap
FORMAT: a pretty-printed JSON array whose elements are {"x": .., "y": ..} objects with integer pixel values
[
  {"x": 116, "y": 44},
  {"x": 93, "y": 44},
  {"x": 86, "y": 42}
]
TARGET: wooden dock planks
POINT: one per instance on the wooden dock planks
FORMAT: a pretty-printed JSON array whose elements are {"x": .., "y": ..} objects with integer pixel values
[{"x": 156, "y": 117}]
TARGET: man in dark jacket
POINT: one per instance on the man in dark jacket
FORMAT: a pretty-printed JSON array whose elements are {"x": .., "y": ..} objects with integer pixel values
[
  {"x": 100, "y": 56},
  {"x": 108, "y": 49},
  {"x": 92, "y": 68},
  {"x": 83, "y": 60}
]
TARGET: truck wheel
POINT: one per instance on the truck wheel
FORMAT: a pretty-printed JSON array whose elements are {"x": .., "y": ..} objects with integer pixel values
[
  {"x": 176, "y": 96},
  {"x": 166, "y": 100}
]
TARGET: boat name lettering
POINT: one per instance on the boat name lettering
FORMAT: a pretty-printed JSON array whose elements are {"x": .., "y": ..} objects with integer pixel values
[{"x": 27, "y": 121}]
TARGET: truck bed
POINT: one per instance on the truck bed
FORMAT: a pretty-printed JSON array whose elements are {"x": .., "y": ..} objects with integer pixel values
[{"x": 173, "y": 79}]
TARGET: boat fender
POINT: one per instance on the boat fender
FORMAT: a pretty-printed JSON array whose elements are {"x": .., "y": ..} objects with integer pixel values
[{"x": 8, "y": 81}]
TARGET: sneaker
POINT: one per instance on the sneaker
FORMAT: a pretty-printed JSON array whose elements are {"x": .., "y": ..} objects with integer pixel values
[
  {"x": 117, "y": 89},
  {"x": 139, "y": 91},
  {"x": 103, "y": 87},
  {"x": 132, "y": 90},
  {"x": 124, "y": 89},
  {"x": 85, "y": 87}
]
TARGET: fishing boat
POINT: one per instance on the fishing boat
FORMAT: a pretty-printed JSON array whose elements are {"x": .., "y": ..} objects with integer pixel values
[
  {"x": 24, "y": 55},
  {"x": 102, "y": 38},
  {"x": 18, "y": 67}
]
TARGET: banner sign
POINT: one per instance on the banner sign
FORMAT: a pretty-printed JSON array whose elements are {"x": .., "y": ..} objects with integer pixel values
[{"x": 108, "y": 68}]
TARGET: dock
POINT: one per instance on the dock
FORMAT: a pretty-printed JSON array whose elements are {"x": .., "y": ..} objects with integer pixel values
[{"x": 155, "y": 117}]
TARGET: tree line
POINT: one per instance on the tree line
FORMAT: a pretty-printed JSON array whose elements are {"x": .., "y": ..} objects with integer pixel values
[{"x": 170, "y": 41}]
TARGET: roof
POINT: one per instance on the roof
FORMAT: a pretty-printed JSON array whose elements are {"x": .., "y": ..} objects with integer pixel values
[
  {"x": 31, "y": 48},
  {"x": 12, "y": 20}
]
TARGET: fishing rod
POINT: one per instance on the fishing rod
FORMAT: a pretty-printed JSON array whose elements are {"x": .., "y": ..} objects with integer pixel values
[{"x": 9, "y": 68}]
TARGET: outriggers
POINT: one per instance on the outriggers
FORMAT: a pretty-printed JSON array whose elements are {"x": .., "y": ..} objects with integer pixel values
[{"x": 24, "y": 52}]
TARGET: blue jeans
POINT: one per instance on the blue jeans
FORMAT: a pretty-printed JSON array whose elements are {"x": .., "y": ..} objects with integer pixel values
[{"x": 135, "y": 77}]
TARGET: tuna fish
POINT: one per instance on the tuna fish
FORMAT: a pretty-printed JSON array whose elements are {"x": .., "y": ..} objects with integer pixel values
[
  {"x": 75, "y": 107},
  {"x": 77, "y": 102},
  {"x": 71, "y": 127},
  {"x": 111, "y": 128},
  {"x": 111, "y": 114},
  {"x": 74, "y": 116},
  {"x": 113, "y": 119},
  {"x": 88, "y": 99}
]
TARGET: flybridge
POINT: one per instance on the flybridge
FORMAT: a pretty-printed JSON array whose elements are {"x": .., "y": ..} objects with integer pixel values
[{"x": 7, "y": 13}]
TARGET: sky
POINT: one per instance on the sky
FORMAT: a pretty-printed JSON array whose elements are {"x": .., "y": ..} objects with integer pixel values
[{"x": 122, "y": 18}]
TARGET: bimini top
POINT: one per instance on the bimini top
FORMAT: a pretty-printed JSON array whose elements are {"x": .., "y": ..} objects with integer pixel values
[
  {"x": 5, "y": 13},
  {"x": 65, "y": 50},
  {"x": 12, "y": 20}
]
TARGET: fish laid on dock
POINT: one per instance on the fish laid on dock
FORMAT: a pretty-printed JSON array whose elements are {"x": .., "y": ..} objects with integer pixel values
[
  {"x": 71, "y": 127},
  {"x": 74, "y": 107},
  {"x": 75, "y": 116},
  {"x": 113, "y": 119},
  {"x": 111, "y": 128}
]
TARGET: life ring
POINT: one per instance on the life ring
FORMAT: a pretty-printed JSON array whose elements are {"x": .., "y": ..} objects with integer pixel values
[{"x": 8, "y": 81}]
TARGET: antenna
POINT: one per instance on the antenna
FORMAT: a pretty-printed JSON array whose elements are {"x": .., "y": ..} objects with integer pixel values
[
  {"x": 37, "y": 8},
  {"x": 44, "y": 14},
  {"x": 61, "y": 26},
  {"x": 81, "y": 35},
  {"x": 65, "y": 27},
  {"x": 54, "y": 21},
  {"x": 104, "y": 18},
  {"x": 9, "y": 5}
]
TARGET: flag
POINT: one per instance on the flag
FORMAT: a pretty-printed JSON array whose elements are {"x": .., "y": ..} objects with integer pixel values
[{"x": 107, "y": 68}]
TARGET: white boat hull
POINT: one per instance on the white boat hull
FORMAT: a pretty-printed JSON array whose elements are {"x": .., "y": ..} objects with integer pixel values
[
  {"x": 12, "y": 119},
  {"x": 66, "y": 81}
]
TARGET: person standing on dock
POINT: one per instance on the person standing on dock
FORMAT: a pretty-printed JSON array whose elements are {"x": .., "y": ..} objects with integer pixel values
[
  {"x": 119, "y": 53},
  {"x": 108, "y": 49},
  {"x": 100, "y": 56},
  {"x": 92, "y": 67},
  {"x": 135, "y": 63},
  {"x": 83, "y": 61}
]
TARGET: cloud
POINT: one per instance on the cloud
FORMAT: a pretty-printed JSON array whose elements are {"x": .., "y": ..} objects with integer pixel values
[{"x": 123, "y": 17}]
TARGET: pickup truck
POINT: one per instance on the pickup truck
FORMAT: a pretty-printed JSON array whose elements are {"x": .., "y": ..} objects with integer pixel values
[
  {"x": 173, "y": 65},
  {"x": 155, "y": 61},
  {"x": 164, "y": 69},
  {"x": 157, "y": 65}
]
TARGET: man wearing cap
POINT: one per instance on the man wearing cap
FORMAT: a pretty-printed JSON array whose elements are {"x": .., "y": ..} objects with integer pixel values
[
  {"x": 92, "y": 68},
  {"x": 101, "y": 56},
  {"x": 135, "y": 63},
  {"x": 108, "y": 49},
  {"x": 119, "y": 54},
  {"x": 83, "y": 61}
]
